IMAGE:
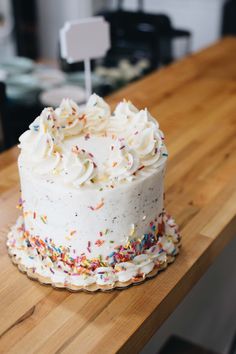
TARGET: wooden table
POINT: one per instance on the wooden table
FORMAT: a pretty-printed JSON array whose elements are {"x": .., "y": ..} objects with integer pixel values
[{"x": 195, "y": 103}]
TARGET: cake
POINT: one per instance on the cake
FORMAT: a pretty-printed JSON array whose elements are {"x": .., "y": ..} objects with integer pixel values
[{"x": 92, "y": 197}]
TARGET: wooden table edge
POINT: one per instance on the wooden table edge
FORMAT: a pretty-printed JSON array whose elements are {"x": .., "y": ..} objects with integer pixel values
[{"x": 175, "y": 296}]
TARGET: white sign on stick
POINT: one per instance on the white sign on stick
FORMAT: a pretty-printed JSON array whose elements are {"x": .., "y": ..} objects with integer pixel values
[{"x": 84, "y": 40}]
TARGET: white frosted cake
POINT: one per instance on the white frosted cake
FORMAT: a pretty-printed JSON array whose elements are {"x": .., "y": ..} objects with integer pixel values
[{"x": 92, "y": 197}]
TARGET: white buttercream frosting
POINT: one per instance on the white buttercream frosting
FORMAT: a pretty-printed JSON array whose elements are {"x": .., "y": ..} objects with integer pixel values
[
  {"x": 137, "y": 142},
  {"x": 97, "y": 113},
  {"x": 122, "y": 163},
  {"x": 78, "y": 167}
]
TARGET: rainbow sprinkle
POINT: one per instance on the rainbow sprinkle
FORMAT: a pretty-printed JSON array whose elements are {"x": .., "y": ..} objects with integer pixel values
[
  {"x": 99, "y": 242},
  {"x": 98, "y": 206},
  {"x": 89, "y": 246},
  {"x": 20, "y": 204},
  {"x": 132, "y": 230},
  {"x": 44, "y": 218}
]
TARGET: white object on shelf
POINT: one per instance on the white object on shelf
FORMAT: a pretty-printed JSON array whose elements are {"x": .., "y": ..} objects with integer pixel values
[
  {"x": 3, "y": 75},
  {"x": 16, "y": 65},
  {"x": 84, "y": 40},
  {"x": 54, "y": 96},
  {"x": 48, "y": 78}
]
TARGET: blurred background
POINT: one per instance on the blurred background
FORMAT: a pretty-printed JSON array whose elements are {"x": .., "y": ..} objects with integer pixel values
[{"x": 145, "y": 36}]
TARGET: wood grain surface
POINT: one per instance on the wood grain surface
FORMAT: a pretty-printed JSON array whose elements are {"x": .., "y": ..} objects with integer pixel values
[{"x": 195, "y": 102}]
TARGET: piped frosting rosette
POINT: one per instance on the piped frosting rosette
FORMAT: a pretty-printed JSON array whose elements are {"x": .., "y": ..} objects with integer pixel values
[{"x": 138, "y": 142}]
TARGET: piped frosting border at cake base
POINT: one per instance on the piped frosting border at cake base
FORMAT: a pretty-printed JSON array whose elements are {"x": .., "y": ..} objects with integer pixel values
[{"x": 93, "y": 275}]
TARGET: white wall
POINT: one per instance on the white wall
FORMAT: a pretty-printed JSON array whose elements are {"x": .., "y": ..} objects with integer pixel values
[
  {"x": 53, "y": 13},
  {"x": 201, "y": 17},
  {"x": 7, "y": 43}
]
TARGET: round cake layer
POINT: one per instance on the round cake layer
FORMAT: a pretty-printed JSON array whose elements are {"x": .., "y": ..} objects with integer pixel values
[
  {"x": 49, "y": 263},
  {"x": 91, "y": 221}
]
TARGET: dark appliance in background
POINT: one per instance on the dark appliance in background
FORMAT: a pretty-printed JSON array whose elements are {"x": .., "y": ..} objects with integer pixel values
[
  {"x": 3, "y": 112},
  {"x": 229, "y": 18},
  {"x": 15, "y": 116},
  {"x": 25, "y": 27},
  {"x": 16, "y": 121},
  {"x": 137, "y": 35}
]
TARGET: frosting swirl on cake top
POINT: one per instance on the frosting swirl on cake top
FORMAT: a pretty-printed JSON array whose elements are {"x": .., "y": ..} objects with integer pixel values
[{"x": 92, "y": 145}]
